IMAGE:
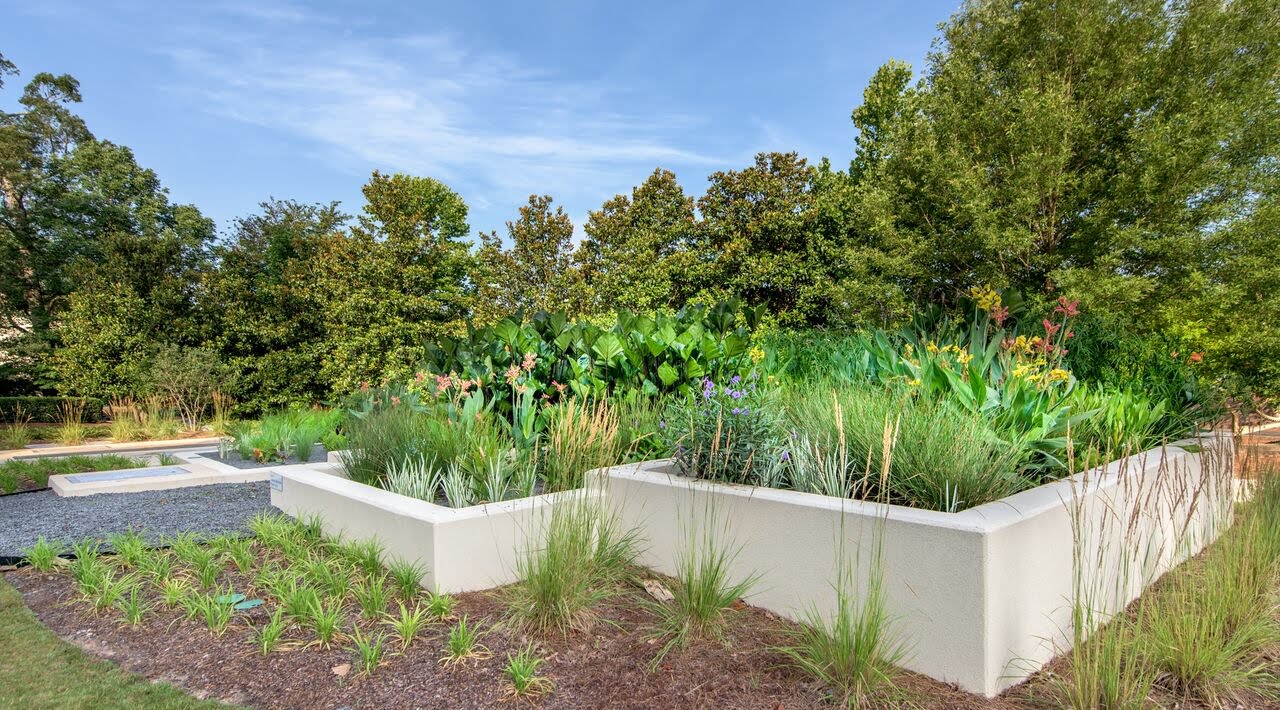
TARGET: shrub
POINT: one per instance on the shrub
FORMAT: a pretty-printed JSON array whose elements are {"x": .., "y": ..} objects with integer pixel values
[
  {"x": 47, "y": 410},
  {"x": 188, "y": 378}
]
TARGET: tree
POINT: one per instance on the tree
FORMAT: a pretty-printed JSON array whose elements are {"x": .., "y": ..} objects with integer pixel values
[
  {"x": 36, "y": 248},
  {"x": 79, "y": 214},
  {"x": 264, "y": 308},
  {"x": 1092, "y": 147},
  {"x": 755, "y": 236},
  {"x": 632, "y": 255},
  {"x": 105, "y": 343},
  {"x": 536, "y": 273},
  {"x": 395, "y": 281}
]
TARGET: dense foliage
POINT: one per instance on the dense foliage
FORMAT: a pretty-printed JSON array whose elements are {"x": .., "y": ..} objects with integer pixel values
[{"x": 1119, "y": 154}]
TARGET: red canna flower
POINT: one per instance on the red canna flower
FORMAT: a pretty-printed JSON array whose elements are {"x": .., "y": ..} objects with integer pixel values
[
  {"x": 1050, "y": 329},
  {"x": 1067, "y": 308},
  {"x": 1197, "y": 357},
  {"x": 999, "y": 314}
]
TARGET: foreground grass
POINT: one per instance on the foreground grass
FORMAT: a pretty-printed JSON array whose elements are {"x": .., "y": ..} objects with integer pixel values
[
  {"x": 1207, "y": 632},
  {"x": 39, "y": 670}
]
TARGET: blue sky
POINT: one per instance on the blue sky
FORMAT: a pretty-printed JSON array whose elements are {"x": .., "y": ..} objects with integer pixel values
[{"x": 232, "y": 102}]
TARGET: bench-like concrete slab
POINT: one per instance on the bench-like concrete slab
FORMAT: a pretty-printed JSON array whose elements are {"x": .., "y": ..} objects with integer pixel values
[{"x": 193, "y": 471}]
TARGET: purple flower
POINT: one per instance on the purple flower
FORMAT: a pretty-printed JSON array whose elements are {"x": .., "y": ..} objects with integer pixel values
[
  {"x": 737, "y": 394},
  {"x": 737, "y": 411},
  {"x": 735, "y": 379},
  {"x": 662, "y": 423},
  {"x": 786, "y": 456}
]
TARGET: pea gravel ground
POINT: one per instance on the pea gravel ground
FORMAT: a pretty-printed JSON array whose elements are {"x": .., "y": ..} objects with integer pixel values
[{"x": 217, "y": 509}]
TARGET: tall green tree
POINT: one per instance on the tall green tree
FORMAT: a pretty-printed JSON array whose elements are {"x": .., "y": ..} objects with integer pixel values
[
  {"x": 265, "y": 309},
  {"x": 37, "y": 243},
  {"x": 79, "y": 215},
  {"x": 1124, "y": 153},
  {"x": 398, "y": 279},
  {"x": 755, "y": 236},
  {"x": 537, "y": 272},
  {"x": 1090, "y": 146},
  {"x": 636, "y": 246}
]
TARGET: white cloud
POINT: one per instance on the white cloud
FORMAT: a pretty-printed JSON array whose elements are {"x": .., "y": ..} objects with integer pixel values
[{"x": 491, "y": 125}]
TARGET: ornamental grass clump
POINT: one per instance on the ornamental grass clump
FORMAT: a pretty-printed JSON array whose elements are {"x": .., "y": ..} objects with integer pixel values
[
  {"x": 521, "y": 673},
  {"x": 285, "y": 435},
  {"x": 17, "y": 433},
  {"x": 1211, "y": 628},
  {"x": 126, "y": 420},
  {"x": 379, "y": 439},
  {"x": 706, "y": 585},
  {"x": 586, "y": 552},
  {"x": 854, "y": 652},
  {"x": 71, "y": 430},
  {"x": 43, "y": 554},
  {"x": 938, "y": 457},
  {"x": 581, "y": 436}
]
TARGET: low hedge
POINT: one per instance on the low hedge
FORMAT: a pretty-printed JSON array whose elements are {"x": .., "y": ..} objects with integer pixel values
[{"x": 47, "y": 410}]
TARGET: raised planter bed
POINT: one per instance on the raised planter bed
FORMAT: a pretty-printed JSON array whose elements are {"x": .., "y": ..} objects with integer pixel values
[
  {"x": 462, "y": 549},
  {"x": 982, "y": 597},
  {"x": 235, "y": 460}
]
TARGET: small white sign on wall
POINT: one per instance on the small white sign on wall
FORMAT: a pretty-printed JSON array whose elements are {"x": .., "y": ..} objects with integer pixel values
[{"x": 277, "y": 482}]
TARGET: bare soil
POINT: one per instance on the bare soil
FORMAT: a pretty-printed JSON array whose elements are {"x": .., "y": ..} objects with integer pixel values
[{"x": 606, "y": 667}]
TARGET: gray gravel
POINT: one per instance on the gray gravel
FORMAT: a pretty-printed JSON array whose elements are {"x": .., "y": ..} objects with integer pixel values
[{"x": 216, "y": 509}]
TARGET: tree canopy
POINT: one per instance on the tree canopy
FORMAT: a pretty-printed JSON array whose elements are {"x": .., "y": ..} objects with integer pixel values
[{"x": 1125, "y": 153}]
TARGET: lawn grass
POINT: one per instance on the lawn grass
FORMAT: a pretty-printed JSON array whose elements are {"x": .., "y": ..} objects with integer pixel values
[
  {"x": 36, "y": 472},
  {"x": 39, "y": 670}
]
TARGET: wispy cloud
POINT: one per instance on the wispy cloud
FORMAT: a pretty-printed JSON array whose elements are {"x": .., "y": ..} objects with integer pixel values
[{"x": 492, "y": 124}]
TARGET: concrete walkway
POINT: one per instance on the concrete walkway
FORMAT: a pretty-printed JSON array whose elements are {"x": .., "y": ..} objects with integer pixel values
[{"x": 108, "y": 447}]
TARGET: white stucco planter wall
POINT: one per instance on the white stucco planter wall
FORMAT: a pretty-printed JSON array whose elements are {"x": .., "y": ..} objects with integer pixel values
[
  {"x": 982, "y": 597},
  {"x": 463, "y": 549}
]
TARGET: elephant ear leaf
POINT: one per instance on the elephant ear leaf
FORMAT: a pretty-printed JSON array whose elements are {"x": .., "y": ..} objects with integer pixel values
[
  {"x": 668, "y": 374},
  {"x": 608, "y": 347}
]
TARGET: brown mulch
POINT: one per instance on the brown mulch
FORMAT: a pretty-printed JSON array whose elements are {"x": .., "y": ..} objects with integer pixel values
[{"x": 607, "y": 667}]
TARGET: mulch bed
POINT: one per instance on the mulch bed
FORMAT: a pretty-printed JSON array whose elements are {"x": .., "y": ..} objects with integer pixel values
[{"x": 608, "y": 667}]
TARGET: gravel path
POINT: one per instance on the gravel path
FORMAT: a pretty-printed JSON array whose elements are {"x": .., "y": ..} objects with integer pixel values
[{"x": 205, "y": 509}]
